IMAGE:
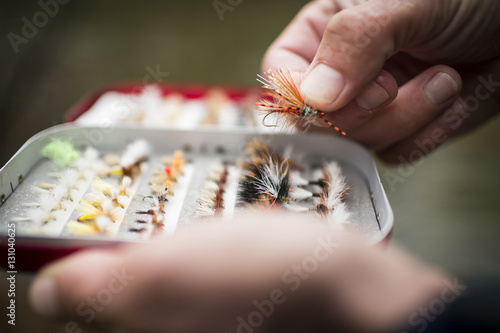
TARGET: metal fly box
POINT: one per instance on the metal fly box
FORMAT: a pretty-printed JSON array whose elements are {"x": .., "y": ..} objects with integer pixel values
[
  {"x": 203, "y": 156},
  {"x": 137, "y": 162}
]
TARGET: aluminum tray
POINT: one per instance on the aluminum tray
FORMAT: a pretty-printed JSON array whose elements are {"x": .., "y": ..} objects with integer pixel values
[{"x": 366, "y": 198}]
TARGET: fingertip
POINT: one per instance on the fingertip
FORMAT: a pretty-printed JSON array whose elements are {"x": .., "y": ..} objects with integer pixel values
[
  {"x": 382, "y": 90},
  {"x": 443, "y": 85},
  {"x": 372, "y": 97},
  {"x": 322, "y": 86},
  {"x": 387, "y": 81},
  {"x": 44, "y": 291},
  {"x": 61, "y": 286},
  {"x": 43, "y": 297}
]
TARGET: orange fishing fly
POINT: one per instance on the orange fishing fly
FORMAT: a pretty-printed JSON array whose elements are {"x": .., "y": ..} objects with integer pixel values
[{"x": 287, "y": 103}]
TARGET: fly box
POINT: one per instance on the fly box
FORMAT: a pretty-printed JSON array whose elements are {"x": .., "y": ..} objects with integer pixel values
[{"x": 143, "y": 173}]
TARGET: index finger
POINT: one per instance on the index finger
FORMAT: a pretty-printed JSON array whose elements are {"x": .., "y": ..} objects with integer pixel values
[{"x": 296, "y": 47}]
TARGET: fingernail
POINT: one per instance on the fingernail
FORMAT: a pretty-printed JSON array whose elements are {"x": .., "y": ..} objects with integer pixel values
[
  {"x": 322, "y": 85},
  {"x": 43, "y": 297},
  {"x": 372, "y": 97},
  {"x": 441, "y": 88}
]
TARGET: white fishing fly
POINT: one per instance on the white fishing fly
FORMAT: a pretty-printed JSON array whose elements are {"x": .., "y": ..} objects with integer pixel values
[{"x": 134, "y": 153}]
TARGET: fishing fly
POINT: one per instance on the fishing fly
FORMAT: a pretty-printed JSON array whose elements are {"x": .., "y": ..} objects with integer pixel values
[{"x": 286, "y": 102}]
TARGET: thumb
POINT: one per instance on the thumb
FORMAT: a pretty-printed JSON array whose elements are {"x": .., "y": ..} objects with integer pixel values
[
  {"x": 81, "y": 286},
  {"x": 356, "y": 43}
]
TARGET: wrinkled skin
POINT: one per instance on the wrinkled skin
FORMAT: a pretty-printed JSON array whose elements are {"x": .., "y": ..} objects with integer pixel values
[{"x": 384, "y": 54}]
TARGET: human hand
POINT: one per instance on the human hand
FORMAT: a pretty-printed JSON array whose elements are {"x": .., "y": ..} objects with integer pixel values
[
  {"x": 209, "y": 278},
  {"x": 353, "y": 55}
]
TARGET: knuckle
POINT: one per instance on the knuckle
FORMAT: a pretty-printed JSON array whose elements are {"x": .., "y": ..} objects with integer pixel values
[
  {"x": 326, "y": 8},
  {"x": 346, "y": 24}
]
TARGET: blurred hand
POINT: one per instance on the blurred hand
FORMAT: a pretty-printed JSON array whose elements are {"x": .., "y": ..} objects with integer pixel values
[
  {"x": 243, "y": 276},
  {"x": 353, "y": 55}
]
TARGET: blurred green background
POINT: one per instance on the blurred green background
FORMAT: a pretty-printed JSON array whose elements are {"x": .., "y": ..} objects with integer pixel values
[{"x": 447, "y": 211}]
